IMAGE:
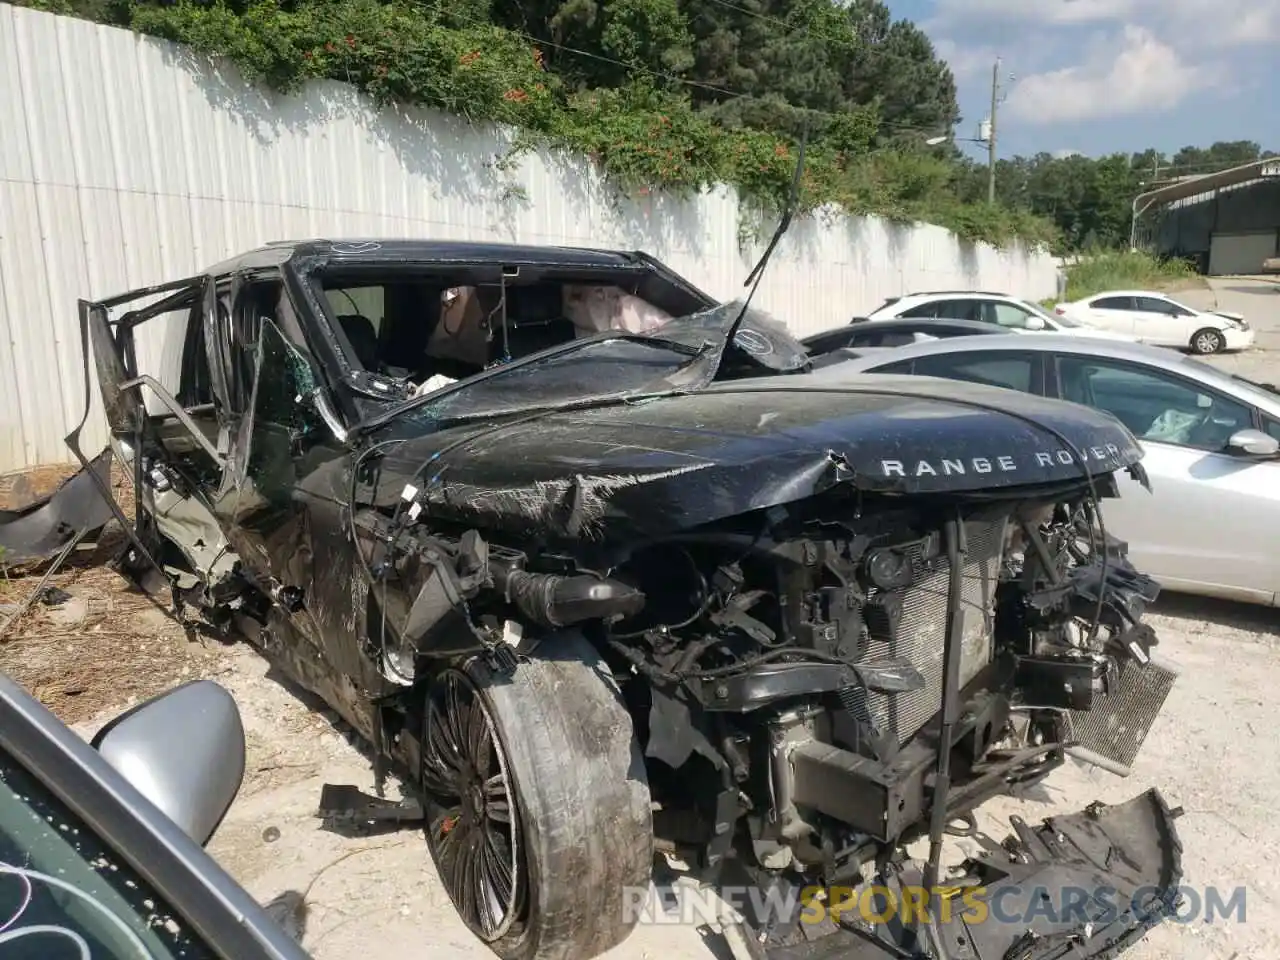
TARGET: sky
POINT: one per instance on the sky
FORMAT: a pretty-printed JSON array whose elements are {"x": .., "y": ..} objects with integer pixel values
[{"x": 1101, "y": 76}]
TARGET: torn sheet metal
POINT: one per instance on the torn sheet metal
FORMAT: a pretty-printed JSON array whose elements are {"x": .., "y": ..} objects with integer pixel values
[
  {"x": 628, "y": 470},
  {"x": 1087, "y": 885},
  {"x": 40, "y": 530}
]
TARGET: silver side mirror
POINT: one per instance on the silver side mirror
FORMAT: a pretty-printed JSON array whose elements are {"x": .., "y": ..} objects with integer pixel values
[
  {"x": 1253, "y": 443},
  {"x": 1035, "y": 323},
  {"x": 184, "y": 751}
]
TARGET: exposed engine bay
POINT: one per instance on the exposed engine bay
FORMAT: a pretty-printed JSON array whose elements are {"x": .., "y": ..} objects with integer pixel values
[{"x": 787, "y": 672}]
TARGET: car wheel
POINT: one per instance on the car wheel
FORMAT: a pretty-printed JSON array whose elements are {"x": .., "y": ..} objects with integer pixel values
[
  {"x": 1208, "y": 340},
  {"x": 537, "y": 803}
]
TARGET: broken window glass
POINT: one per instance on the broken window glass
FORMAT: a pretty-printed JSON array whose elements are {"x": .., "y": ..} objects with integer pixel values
[
  {"x": 63, "y": 892},
  {"x": 596, "y": 369},
  {"x": 285, "y": 422},
  {"x": 162, "y": 339}
]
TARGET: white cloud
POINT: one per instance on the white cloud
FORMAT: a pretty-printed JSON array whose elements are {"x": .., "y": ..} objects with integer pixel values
[
  {"x": 950, "y": 13},
  {"x": 1063, "y": 154},
  {"x": 1187, "y": 25},
  {"x": 966, "y": 60},
  {"x": 1134, "y": 73},
  {"x": 1238, "y": 27}
]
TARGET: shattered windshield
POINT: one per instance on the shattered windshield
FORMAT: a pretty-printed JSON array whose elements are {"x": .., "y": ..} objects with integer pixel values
[{"x": 683, "y": 353}]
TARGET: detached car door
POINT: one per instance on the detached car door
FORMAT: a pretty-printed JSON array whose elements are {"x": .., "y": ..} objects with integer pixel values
[{"x": 1212, "y": 518}]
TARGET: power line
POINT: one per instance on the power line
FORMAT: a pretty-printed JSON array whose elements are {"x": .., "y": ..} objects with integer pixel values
[
  {"x": 819, "y": 34},
  {"x": 633, "y": 68}
]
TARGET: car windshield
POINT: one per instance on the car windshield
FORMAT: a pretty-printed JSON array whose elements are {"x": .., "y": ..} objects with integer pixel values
[
  {"x": 63, "y": 893},
  {"x": 1052, "y": 318},
  {"x": 1265, "y": 393},
  {"x": 677, "y": 355}
]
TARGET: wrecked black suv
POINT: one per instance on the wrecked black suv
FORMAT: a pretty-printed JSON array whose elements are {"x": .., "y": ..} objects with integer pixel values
[{"x": 587, "y": 555}]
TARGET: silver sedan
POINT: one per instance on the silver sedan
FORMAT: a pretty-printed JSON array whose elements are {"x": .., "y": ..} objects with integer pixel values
[{"x": 1211, "y": 523}]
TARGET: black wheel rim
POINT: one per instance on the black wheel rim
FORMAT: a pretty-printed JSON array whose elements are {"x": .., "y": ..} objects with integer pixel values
[{"x": 472, "y": 826}]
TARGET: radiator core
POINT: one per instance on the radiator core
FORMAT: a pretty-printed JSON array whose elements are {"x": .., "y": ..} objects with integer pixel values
[
  {"x": 921, "y": 629},
  {"x": 1120, "y": 721}
]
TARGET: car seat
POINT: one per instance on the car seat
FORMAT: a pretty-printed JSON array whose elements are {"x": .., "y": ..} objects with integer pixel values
[
  {"x": 1074, "y": 383},
  {"x": 363, "y": 338},
  {"x": 535, "y": 320}
]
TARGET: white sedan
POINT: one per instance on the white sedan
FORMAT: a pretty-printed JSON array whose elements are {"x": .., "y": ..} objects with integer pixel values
[
  {"x": 996, "y": 309},
  {"x": 1158, "y": 319},
  {"x": 1211, "y": 522}
]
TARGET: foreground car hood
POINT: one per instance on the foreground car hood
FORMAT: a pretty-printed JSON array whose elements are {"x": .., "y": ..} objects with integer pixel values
[
  {"x": 642, "y": 468},
  {"x": 1098, "y": 333}
]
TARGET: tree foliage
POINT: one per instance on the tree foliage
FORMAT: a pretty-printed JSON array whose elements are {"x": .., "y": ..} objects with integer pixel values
[
  {"x": 678, "y": 95},
  {"x": 673, "y": 95},
  {"x": 1090, "y": 200}
]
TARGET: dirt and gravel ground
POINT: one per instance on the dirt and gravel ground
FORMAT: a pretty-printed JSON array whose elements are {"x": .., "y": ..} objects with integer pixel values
[
  {"x": 1212, "y": 752},
  {"x": 1258, "y": 301}
]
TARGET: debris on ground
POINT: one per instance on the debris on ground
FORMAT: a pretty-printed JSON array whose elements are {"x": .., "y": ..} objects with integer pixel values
[
  {"x": 79, "y": 638},
  {"x": 76, "y": 509}
]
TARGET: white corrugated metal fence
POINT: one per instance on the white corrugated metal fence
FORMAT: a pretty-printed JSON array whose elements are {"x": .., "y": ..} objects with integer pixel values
[{"x": 125, "y": 161}]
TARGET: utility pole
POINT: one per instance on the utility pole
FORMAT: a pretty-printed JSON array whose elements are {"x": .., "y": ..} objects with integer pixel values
[{"x": 991, "y": 133}]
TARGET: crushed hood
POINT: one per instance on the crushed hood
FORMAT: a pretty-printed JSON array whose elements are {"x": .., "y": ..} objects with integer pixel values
[{"x": 646, "y": 467}]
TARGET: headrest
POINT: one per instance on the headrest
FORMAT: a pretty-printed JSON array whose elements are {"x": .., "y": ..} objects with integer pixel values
[{"x": 534, "y": 304}]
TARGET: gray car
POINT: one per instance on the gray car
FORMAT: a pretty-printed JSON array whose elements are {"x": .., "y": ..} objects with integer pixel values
[
  {"x": 1211, "y": 521},
  {"x": 100, "y": 844}
]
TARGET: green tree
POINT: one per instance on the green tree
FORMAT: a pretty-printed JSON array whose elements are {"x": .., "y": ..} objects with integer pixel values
[{"x": 896, "y": 67}]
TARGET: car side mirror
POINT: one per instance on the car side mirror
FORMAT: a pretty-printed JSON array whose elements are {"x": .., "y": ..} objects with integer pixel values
[
  {"x": 184, "y": 751},
  {"x": 1253, "y": 443},
  {"x": 1035, "y": 323}
]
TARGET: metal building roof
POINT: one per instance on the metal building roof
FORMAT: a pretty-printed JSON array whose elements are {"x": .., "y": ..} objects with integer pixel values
[{"x": 1196, "y": 186}]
